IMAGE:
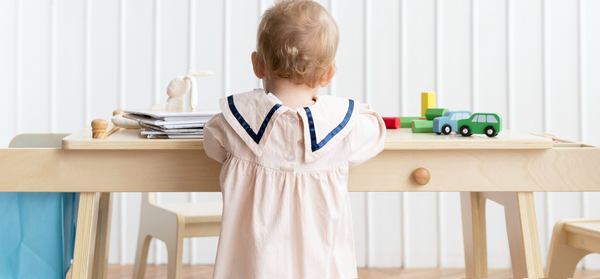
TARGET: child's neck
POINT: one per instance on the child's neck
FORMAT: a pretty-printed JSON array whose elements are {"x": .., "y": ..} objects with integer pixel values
[{"x": 290, "y": 94}]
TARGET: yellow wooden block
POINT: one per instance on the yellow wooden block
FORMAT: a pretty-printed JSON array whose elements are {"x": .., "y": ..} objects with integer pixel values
[{"x": 427, "y": 101}]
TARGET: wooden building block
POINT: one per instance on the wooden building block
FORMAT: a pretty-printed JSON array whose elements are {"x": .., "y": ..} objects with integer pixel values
[
  {"x": 432, "y": 113},
  {"x": 406, "y": 121},
  {"x": 392, "y": 122},
  {"x": 427, "y": 101},
  {"x": 422, "y": 126}
]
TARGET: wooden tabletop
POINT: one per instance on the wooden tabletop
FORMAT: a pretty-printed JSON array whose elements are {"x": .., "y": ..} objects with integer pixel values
[{"x": 402, "y": 139}]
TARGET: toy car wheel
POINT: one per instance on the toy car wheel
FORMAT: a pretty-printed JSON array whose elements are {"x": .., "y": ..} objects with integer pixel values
[
  {"x": 465, "y": 131},
  {"x": 438, "y": 133},
  {"x": 490, "y": 132},
  {"x": 446, "y": 130}
]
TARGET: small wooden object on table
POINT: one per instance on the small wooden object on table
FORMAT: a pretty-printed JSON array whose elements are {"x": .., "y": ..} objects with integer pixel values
[{"x": 100, "y": 127}]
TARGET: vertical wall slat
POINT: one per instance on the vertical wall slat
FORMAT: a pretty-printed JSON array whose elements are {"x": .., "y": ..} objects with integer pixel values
[
  {"x": 69, "y": 70},
  {"x": 474, "y": 54},
  {"x": 87, "y": 102},
  {"x": 8, "y": 68},
  {"x": 509, "y": 98},
  {"x": 226, "y": 46},
  {"x": 18, "y": 68},
  {"x": 241, "y": 77},
  {"x": 52, "y": 68},
  {"x": 34, "y": 57},
  {"x": 122, "y": 52},
  {"x": 157, "y": 49}
]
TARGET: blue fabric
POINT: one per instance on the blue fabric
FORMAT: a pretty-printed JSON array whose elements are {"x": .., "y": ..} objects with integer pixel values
[
  {"x": 314, "y": 145},
  {"x": 37, "y": 234},
  {"x": 255, "y": 136}
]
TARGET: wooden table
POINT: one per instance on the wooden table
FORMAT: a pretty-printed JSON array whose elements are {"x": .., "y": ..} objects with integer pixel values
[{"x": 506, "y": 169}]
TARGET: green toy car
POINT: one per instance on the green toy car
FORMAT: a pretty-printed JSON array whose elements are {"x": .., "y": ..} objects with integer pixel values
[{"x": 489, "y": 124}]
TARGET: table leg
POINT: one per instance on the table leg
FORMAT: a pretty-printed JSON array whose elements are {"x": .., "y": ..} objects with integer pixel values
[
  {"x": 523, "y": 239},
  {"x": 474, "y": 234},
  {"x": 521, "y": 227},
  {"x": 85, "y": 237},
  {"x": 102, "y": 237}
]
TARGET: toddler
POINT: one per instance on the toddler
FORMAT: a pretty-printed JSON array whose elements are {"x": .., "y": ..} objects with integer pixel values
[{"x": 286, "y": 152}]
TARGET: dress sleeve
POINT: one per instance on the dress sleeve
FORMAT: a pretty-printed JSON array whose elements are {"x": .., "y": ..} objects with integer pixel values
[
  {"x": 367, "y": 136},
  {"x": 213, "y": 135}
]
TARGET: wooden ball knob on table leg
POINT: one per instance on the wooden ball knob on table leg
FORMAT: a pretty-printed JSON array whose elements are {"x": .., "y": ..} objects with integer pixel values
[{"x": 421, "y": 176}]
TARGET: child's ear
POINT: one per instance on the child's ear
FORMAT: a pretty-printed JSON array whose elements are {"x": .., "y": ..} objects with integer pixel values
[
  {"x": 328, "y": 76},
  {"x": 259, "y": 68}
]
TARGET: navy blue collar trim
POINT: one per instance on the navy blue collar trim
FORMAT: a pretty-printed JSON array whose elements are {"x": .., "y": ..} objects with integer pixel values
[
  {"x": 314, "y": 145},
  {"x": 255, "y": 136}
]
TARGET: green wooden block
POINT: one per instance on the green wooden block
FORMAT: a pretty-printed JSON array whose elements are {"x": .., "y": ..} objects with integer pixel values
[
  {"x": 432, "y": 113},
  {"x": 422, "y": 126},
  {"x": 405, "y": 121}
]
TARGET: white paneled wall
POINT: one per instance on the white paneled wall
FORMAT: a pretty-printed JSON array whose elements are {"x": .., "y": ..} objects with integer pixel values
[{"x": 537, "y": 62}]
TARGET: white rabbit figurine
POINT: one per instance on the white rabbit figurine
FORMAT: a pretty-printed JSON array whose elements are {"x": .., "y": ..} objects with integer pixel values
[{"x": 183, "y": 93}]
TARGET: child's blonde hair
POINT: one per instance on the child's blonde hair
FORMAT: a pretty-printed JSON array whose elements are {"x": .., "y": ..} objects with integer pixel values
[{"x": 297, "y": 40}]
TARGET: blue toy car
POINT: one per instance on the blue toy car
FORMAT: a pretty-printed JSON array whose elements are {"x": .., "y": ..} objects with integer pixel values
[{"x": 448, "y": 123}]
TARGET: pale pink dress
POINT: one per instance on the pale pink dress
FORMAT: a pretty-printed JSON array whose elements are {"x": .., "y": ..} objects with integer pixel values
[{"x": 286, "y": 210}]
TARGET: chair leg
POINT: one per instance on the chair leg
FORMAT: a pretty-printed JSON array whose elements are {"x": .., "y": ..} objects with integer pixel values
[
  {"x": 522, "y": 235},
  {"x": 474, "y": 235},
  {"x": 175, "y": 254},
  {"x": 562, "y": 258},
  {"x": 141, "y": 255}
]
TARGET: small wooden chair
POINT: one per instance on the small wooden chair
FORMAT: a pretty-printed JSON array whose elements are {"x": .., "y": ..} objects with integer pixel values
[
  {"x": 171, "y": 223},
  {"x": 571, "y": 241}
]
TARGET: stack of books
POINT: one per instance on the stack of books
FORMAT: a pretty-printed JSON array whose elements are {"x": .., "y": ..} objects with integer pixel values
[{"x": 170, "y": 125}]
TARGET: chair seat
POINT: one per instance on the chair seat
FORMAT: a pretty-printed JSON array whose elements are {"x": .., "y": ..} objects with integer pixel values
[
  {"x": 196, "y": 212},
  {"x": 587, "y": 228}
]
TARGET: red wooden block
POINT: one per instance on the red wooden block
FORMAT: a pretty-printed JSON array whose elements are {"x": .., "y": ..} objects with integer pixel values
[{"x": 392, "y": 122}]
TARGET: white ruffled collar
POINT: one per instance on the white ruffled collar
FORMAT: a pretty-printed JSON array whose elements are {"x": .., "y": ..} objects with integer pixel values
[{"x": 252, "y": 115}]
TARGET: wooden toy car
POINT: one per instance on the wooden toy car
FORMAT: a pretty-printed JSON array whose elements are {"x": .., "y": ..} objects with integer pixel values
[
  {"x": 448, "y": 123},
  {"x": 489, "y": 124}
]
